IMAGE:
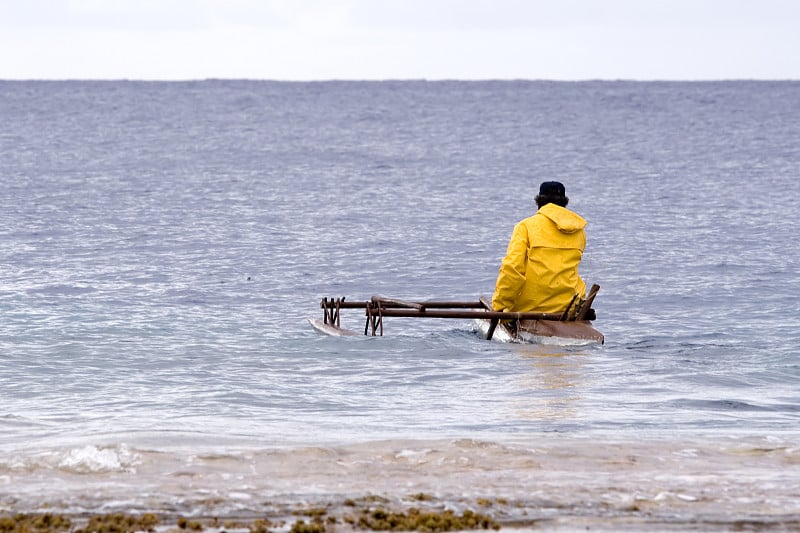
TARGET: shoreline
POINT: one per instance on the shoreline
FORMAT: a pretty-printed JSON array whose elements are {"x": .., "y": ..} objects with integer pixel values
[
  {"x": 373, "y": 513},
  {"x": 414, "y": 512},
  {"x": 555, "y": 484}
]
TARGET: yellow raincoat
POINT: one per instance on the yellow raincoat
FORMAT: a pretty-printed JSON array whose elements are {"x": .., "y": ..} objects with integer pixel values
[{"x": 540, "y": 270}]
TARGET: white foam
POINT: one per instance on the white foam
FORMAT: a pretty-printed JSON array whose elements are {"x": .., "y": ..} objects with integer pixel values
[{"x": 93, "y": 459}]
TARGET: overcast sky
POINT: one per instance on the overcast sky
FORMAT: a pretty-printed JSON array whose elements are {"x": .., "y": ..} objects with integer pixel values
[{"x": 400, "y": 39}]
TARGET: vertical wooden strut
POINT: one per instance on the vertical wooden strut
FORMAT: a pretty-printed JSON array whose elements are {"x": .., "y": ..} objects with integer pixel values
[
  {"x": 587, "y": 303},
  {"x": 374, "y": 319},
  {"x": 565, "y": 316},
  {"x": 331, "y": 311},
  {"x": 492, "y": 326},
  {"x": 325, "y": 311},
  {"x": 487, "y": 304},
  {"x": 338, "y": 311}
]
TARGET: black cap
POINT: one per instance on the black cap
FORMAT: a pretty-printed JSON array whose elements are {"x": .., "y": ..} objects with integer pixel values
[{"x": 552, "y": 188}]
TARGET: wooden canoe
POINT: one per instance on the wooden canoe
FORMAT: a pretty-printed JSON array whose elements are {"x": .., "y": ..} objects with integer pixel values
[{"x": 550, "y": 328}]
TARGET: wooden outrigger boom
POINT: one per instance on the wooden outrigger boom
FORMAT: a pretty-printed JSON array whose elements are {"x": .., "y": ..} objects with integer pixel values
[{"x": 571, "y": 324}]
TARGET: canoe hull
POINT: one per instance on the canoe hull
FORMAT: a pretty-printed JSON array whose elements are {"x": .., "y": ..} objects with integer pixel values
[{"x": 564, "y": 333}]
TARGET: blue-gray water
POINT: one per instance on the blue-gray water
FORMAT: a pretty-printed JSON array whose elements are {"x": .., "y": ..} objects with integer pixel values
[{"x": 164, "y": 243}]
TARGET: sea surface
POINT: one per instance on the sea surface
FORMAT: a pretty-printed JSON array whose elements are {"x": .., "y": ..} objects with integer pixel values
[{"x": 162, "y": 245}]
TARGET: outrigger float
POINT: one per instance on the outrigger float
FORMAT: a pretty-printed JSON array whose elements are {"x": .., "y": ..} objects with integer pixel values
[{"x": 573, "y": 326}]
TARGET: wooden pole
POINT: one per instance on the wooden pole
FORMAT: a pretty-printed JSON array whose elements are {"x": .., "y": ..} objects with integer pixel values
[
  {"x": 450, "y": 313},
  {"x": 389, "y": 302},
  {"x": 587, "y": 304}
]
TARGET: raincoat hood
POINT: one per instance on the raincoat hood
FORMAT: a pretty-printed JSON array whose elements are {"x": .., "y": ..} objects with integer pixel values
[{"x": 565, "y": 220}]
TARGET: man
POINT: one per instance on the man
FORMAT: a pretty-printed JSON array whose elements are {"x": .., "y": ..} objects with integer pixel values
[{"x": 540, "y": 270}]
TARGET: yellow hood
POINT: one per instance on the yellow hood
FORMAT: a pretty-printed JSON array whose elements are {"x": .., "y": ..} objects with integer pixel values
[{"x": 565, "y": 220}]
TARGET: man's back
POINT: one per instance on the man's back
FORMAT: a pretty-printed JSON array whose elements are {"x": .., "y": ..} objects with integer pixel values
[{"x": 540, "y": 270}]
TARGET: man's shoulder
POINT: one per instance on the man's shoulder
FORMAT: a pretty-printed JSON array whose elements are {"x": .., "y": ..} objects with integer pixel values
[{"x": 535, "y": 218}]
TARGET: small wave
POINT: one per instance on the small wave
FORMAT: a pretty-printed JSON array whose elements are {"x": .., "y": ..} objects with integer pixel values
[
  {"x": 61, "y": 290},
  {"x": 721, "y": 405},
  {"x": 91, "y": 459},
  {"x": 84, "y": 460},
  {"x": 11, "y": 420}
]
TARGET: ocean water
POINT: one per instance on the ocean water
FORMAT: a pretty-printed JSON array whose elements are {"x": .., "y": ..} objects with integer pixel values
[{"x": 164, "y": 243}]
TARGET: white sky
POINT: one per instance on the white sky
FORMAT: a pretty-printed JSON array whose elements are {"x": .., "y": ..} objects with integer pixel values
[{"x": 400, "y": 39}]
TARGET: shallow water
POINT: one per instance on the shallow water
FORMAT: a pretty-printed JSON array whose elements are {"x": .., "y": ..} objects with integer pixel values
[{"x": 164, "y": 244}]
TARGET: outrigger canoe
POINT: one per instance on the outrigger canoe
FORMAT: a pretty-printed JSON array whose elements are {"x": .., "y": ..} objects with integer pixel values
[{"x": 570, "y": 327}]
